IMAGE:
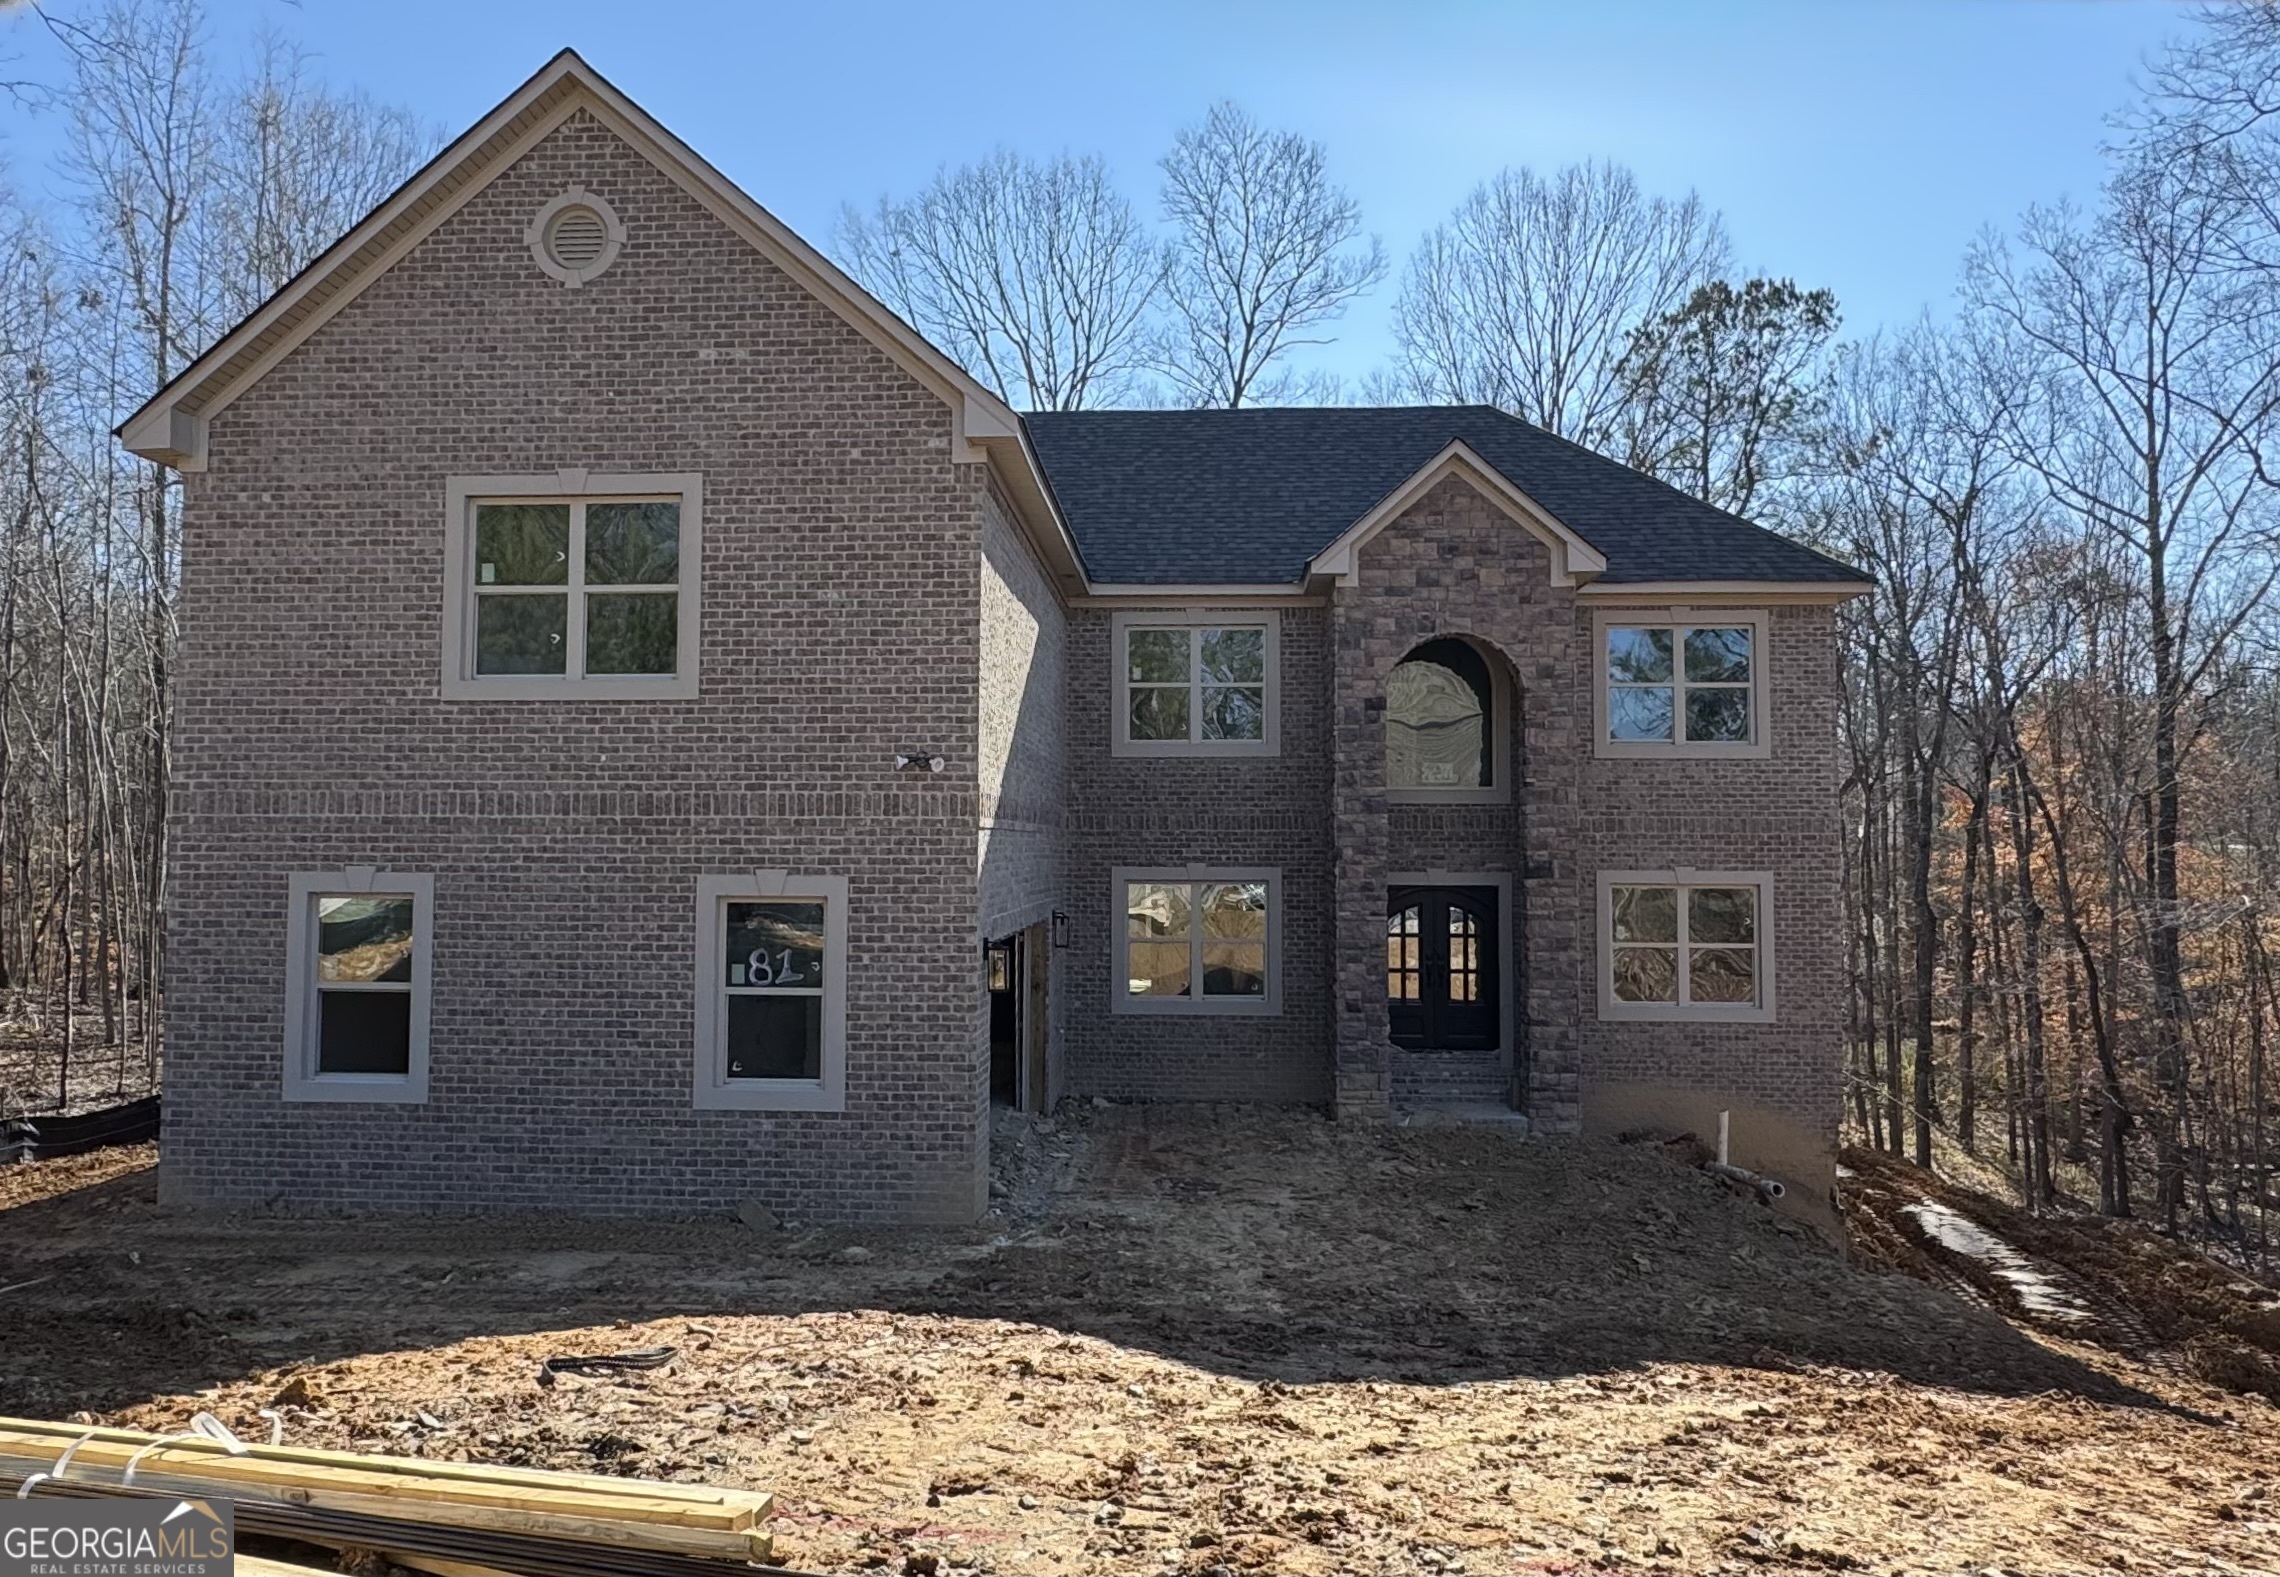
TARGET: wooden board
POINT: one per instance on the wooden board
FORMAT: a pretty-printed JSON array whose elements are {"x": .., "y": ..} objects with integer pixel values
[{"x": 636, "y": 1514}]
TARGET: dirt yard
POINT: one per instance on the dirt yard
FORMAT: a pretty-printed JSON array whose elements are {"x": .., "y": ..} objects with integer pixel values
[{"x": 1188, "y": 1342}]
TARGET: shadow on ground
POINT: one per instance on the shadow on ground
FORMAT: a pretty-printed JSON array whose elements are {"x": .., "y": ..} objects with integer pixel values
[{"x": 1264, "y": 1246}]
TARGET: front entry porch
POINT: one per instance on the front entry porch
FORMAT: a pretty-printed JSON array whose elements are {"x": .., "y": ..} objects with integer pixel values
[{"x": 1448, "y": 987}]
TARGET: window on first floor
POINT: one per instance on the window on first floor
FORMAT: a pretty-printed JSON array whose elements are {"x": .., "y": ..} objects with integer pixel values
[
  {"x": 1198, "y": 942},
  {"x": 1685, "y": 945},
  {"x": 771, "y": 992},
  {"x": 1195, "y": 685},
  {"x": 559, "y": 589},
  {"x": 357, "y": 973}
]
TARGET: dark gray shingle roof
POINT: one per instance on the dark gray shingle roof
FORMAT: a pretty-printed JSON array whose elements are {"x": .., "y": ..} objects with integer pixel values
[{"x": 1250, "y": 496}]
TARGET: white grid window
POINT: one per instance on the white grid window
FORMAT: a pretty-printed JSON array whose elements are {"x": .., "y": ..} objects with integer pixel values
[
  {"x": 1685, "y": 945},
  {"x": 356, "y": 996},
  {"x": 1196, "y": 684},
  {"x": 1682, "y": 686},
  {"x": 573, "y": 585},
  {"x": 1195, "y": 941}
]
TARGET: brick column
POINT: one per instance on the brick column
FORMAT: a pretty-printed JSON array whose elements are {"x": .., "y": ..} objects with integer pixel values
[
  {"x": 1358, "y": 844},
  {"x": 1555, "y": 951}
]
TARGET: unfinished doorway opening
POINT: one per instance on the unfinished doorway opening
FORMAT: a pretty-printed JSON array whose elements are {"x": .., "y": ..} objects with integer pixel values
[{"x": 1017, "y": 967}]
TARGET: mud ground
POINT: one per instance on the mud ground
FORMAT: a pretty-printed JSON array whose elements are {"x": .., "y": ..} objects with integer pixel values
[{"x": 1188, "y": 1341}]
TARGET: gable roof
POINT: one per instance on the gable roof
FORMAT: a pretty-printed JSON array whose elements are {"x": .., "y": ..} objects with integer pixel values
[
  {"x": 1255, "y": 496},
  {"x": 171, "y": 426}
]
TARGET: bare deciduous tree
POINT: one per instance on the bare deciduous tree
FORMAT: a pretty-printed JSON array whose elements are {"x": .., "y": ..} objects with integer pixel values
[
  {"x": 1267, "y": 250},
  {"x": 1527, "y": 297},
  {"x": 1036, "y": 277}
]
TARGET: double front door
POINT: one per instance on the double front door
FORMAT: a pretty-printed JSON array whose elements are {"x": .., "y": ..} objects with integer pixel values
[{"x": 1441, "y": 968}]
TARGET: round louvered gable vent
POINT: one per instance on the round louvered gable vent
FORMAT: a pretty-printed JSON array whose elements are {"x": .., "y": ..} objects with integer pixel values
[{"x": 575, "y": 236}]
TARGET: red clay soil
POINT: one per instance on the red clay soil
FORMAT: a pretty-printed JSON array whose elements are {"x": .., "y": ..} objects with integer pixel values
[{"x": 1191, "y": 1341}]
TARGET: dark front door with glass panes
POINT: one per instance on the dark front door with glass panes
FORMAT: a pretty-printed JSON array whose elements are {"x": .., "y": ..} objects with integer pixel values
[{"x": 1441, "y": 968}]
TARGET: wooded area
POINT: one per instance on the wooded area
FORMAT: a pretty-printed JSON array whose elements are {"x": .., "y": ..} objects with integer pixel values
[{"x": 2061, "y": 706}]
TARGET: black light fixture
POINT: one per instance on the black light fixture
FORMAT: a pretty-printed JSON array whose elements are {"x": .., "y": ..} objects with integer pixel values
[
  {"x": 1060, "y": 928},
  {"x": 916, "y": 760}
]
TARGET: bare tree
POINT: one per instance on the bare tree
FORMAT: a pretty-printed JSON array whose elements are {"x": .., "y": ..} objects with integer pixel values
[
  {"x": 296, "y": 166},
  {"x": 192, "y": 193},
  {"x": 1267, "y": 253},
  {"x": 1036, "y": 277},
  {"x": 1527, "y": 297},
  {"x": 2156, "y": 379}
]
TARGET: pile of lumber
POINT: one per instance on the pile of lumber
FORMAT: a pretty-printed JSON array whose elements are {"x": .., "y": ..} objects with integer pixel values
[{"x": 458, "y": 1518}]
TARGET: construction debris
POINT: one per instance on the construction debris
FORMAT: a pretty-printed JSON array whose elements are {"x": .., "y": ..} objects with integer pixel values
[
  {"x": 503, "y": 1518},
  {"x": 1193, "y": 1341}
]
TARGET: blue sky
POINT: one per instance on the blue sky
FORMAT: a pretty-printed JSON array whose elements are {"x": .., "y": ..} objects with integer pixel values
[{"x": 1856, "y": 144}]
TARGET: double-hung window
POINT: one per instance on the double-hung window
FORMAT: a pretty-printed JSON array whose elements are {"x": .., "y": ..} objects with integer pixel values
[
  {"x": 1682, "y": 687},
  {"x": 772, "y": 992},
  {"x": 1198, "y": 941},
  {"x": 357, "y": 960},
  {"x": 1686, "y": 945},
  {"x": 1198, "y": 684},
  {"x": 572, "y": 585}
]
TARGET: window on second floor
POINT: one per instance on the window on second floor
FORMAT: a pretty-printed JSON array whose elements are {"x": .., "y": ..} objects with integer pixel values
[
  {"x": 1198, "y": 685},
  {"x": 572, "y": 590},
  {"x": 1682, "y": 687},
  {"x": 1442, "y": 728}
]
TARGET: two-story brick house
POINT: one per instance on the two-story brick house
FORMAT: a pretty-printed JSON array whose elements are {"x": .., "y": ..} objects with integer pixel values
[{"x": 653, "y": 732}]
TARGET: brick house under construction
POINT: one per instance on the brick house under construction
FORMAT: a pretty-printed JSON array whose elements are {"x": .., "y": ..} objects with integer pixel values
[{"x": 653, "y": 732}]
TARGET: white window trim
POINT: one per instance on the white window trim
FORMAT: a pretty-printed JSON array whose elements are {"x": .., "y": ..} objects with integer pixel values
[
  {"x": 713, "y": 1090},
  {"x": 462, "y": 493},
  {"x": 302, "y": 1080},
  {"x": 1121, "y": 1000},
  {"x": 1760, "y": 745},
  {"x": 1500, "y": 711},
  {"x": 1121, "y": 742},
  {"x": 1758, "y": 1012}
]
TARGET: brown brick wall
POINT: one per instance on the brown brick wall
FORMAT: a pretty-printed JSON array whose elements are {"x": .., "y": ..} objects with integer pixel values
[
  {"x": 839, "y": 610},
  {"x": 1456, "y": 565},
  {"x": 1023, "y": 753},
  {"x": 864, "y": 594},
  {"x": 1181, "y": 810}
]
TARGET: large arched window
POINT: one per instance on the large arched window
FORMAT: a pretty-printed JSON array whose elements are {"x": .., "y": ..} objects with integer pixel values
[{"x": 1440, "y": 728}]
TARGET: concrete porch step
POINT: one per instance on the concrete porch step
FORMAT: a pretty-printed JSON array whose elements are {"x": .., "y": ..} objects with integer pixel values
[{"x": 1460, "y": 1114}]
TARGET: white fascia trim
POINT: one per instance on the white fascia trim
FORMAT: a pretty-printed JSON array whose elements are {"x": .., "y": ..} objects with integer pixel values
[
  {"x": 1125, "y": 594},
  {"x": 1121, "y": 1000},
  {"x": 302, "y": 1080},
  {"x": 1758, "y": 1012},
  {"x": 166, "y": 432},
  {"x": 1756, "y": 592},
  {"x": 1507, "y": 939},
  {"x": 712, "y": 1090},
  {"x": 1574, "y": 560}
]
